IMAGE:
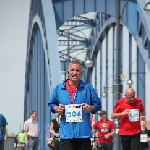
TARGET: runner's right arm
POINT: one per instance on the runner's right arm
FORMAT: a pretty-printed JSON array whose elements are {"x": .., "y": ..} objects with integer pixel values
[{"x": 118, "y": 115}]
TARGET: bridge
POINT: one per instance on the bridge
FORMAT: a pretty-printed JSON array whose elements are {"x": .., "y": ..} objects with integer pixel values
[{"x": 62, "y": 30}]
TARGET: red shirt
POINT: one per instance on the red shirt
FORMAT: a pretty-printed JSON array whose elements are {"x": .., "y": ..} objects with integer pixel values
[
  {"x": 127, "y": 127},
  {"x": 71, "y": 90},
  {"x": 104, "y": 127}
]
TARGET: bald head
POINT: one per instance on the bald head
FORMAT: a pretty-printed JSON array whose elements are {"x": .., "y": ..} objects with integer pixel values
[
  {"x": 130, "y": 95},
  {"x": 130, "y": 90}
]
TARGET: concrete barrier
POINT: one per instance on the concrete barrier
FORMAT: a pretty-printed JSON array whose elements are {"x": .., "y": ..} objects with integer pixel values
[{"x": 9, "y": 143}]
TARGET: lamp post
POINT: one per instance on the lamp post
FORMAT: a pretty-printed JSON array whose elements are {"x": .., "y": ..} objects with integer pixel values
[
  {"x": 129, "y": 81},
  {"x": 68, "y": 50},
  {"x": 118, "y": 88},
  {"x": 140, "y": 76},
  {"x": 147, "y": 8},
  {"x": 141, "y": 91},
  {"x": 88, "y": 62},
  {"x": 104, "y": 93}
]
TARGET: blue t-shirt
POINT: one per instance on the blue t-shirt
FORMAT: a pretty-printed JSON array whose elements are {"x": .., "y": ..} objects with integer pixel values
[
  {"x": 3, "y": 124},
  {"x": 85, "y": 93}
]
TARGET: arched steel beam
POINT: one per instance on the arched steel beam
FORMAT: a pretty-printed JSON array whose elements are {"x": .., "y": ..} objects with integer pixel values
[
  {"x": 42, "y": 13},
  {"x": 144, "y": 17},
  {"x": 109, "y": 24},
  {"x": 36, "y": 21},
  {"x": 65, "y": 9}
]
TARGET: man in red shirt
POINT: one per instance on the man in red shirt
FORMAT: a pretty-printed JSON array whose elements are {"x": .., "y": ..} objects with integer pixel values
[
  {"x": 129, "y": 110},
  {"x": 106, "y": 130}
]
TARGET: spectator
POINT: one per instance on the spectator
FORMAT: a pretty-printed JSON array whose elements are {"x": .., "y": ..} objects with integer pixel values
[
  {"x": 31, "y": 131},
  {"x": 21, "y": 139},
  {"x": 3, "y": 124}
]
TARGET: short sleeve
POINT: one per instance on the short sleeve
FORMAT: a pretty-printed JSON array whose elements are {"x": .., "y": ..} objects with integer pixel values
[
  {"x": 112, "y": 125},
  {"x": 141, "y": 106},
  {"x": 94, "y": 126},
  {"x": 4, "y": 121},
  {"x": 53, "y": 121},
  {"x": 117, "y": 107},
  {"x": 25, "y": 126}
]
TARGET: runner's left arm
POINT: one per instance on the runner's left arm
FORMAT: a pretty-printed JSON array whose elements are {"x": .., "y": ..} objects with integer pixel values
[{"x": 95, "y": 102}]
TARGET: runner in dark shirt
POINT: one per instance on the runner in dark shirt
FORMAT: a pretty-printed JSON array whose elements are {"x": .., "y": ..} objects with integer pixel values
[
  {"x": 54, "y": 129},
  {"x": 144, "y": 136}
]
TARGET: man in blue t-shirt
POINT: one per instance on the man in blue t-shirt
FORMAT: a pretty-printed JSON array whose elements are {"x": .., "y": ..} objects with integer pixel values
[
  {"x": 3, "y": 124},
  {"x": 74, "y": 100}
]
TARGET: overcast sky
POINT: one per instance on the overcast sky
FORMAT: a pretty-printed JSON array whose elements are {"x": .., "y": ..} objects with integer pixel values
[{"x": 14, "y": 16}]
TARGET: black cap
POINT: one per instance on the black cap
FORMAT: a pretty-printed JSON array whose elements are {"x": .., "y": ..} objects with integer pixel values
[{"x": 102, "y": 112}]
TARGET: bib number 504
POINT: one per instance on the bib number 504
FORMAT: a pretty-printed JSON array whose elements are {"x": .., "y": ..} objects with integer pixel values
[{"x": 73, "y": 114}]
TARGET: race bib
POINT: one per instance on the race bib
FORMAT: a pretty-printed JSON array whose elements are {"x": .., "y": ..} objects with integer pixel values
[
  {"x": 143, "y": 137},
  {"x": 73, "y": 113},
  {"x": 133, "y": 115}
]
